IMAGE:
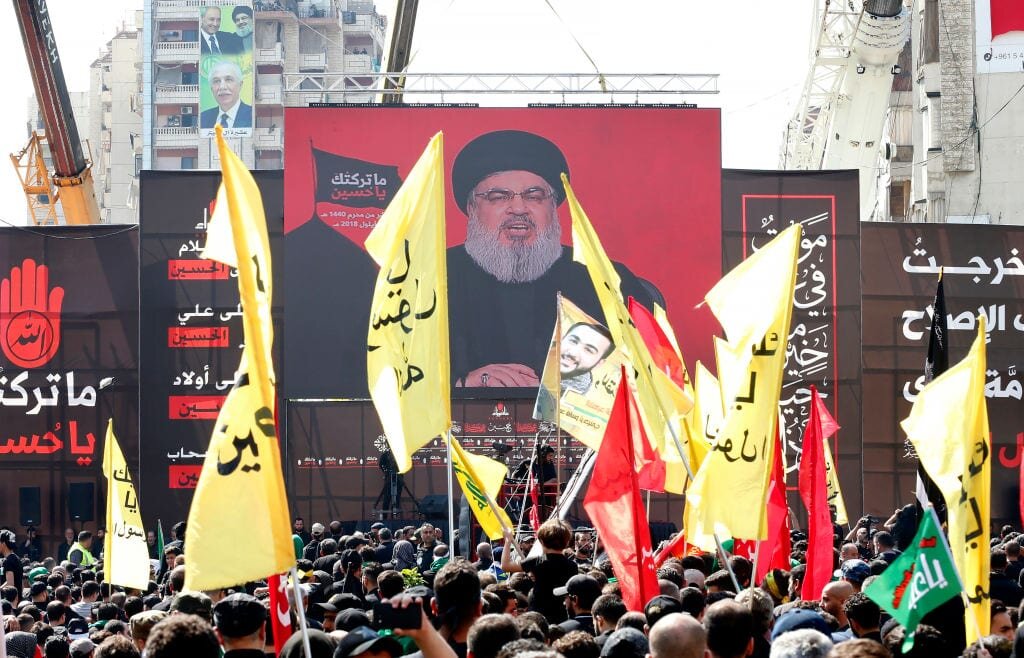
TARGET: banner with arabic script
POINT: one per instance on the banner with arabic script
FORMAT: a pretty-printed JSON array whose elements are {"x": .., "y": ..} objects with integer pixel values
[
  {"x": 191, "y": 330},
  {"x": 68, "y": 358},
  {"x": 825, "y": 329},
  {"x": 983, "y": 274}
]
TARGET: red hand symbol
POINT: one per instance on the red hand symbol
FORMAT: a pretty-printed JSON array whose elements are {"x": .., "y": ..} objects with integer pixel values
[{"x": 29, "y": 315}]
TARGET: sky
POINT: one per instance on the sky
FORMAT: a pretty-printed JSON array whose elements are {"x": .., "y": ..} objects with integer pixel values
[{"x": 760, "y": 49}]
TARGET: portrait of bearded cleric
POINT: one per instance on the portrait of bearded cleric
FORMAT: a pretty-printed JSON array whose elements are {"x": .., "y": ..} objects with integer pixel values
[{"x": 503, "y": 281}]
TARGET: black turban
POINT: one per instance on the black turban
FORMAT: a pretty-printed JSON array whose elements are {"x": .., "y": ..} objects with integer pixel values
[{"x": 507, "y": 150}]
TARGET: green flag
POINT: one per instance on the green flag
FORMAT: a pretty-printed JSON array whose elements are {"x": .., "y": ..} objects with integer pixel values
[
  {"x": 919, "y": 580},
  {"x": 159, "y": 543}
]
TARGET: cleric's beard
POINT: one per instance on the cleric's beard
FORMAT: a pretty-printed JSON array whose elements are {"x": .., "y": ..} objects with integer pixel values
[{"x": 516, "y": 262}]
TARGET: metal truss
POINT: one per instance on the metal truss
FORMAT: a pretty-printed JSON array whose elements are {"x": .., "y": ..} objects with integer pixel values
[
  {"x": 806, "y": 132},
  {"x": 452, "y": 85}
]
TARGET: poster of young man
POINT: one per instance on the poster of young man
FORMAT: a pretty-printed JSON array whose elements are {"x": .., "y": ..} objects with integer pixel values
[
  {"x": 226, "y": 69},
  {"x": 581, "y": 376}
]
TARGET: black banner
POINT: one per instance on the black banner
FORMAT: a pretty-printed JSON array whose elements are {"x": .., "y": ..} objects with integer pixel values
[
  {"x": 191, "y": 324},
  {"x": 983, "y": 274},
  {"x": 824, "y": 337},
  {"x": 68, "y": 359}
]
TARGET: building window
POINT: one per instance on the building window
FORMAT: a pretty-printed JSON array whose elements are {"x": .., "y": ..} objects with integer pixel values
[
  {"x": 190, "y": 77},
  {"x": 188, "y": 162}
]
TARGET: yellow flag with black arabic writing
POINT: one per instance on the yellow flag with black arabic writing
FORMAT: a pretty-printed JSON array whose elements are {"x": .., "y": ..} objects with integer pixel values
[
  {"x": 948, "y": 426},
  {"x": 241, "y": 488},
  {"x": 661, "y": 400},
  {"x": 407, "y": 362},
  {"x": 754, "y": 304},
  {"x": 481, "y": 478},
  {"x": 125, "y": 552}
]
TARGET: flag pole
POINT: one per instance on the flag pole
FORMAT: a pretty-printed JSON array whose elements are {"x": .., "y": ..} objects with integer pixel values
[
  {"x": 301, "y": 613},
  {"x": 558, "y": 401},
  {"x": 451, "y": 495},
  {"x": 725, "y": 562},
  {"x": 959, "y": 580}
]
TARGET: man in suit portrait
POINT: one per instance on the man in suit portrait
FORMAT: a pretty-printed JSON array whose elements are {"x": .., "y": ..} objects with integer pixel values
[
  {"x": 226, "y": 84},
  {"x": 212, "y": 39}
]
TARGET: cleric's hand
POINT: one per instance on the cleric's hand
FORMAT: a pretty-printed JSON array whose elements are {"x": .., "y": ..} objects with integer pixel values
[{"x": 501, "y": 374}]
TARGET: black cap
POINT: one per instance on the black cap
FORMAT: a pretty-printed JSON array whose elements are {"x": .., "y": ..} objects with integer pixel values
[
  {"x": 625, "y": 643},
  {"x": 660, "y": 606},
  {"x": 362, "y": 639},
  {"x": 239, "y": 615},
  {"x": 351, "y": 618},
  {"x": 582, "y": 586},
  {"x": 377, "y": 526},
  {"x": 507, "y": 150},
  {"x": 345, "y": 601}
]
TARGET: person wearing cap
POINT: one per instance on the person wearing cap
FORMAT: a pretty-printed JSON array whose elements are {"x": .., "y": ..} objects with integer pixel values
[
  {"x": 580, "y": 592},
  {"x": 364, "y": 642},
  {"x": 503, "y": 280},
  {"x": 11, "y": 569},
  {"x": 239, "y": 620},
  {"x": 855, "y": 572},
  {"x": 661, "y": 606},
  {"x": 312, "y": 549},
  {"x": 141, "y": 624}
]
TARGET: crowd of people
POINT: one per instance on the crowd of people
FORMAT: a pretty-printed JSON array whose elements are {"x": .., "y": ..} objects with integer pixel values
[{"x": 383, "y": 592}]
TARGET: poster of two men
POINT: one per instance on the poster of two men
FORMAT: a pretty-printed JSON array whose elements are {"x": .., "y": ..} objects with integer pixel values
[{"x": 226, "y": 70}]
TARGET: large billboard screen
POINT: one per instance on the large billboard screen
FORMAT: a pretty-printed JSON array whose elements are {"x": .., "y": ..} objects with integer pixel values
[
  {"x": 226, "y": 69},
  {"x": 983, "y": 273},
  {"x": 68, "y": 363},
  {"x": 824, "y": 340},
  {"x": 191, "y": 328},
  {"x": 649, "y": 179}
]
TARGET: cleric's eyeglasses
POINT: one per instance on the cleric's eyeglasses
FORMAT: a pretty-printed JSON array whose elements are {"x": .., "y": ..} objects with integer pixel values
[{"x": 533, "y": 195}]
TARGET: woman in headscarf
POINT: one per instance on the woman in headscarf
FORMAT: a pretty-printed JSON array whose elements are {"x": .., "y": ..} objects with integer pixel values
[{"x": 405, "y": 556}]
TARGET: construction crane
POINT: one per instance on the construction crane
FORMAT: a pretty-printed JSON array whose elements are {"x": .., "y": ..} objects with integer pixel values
[
  {"x": 71, "y": 181},
  {"x": 400, "y": 50},
  {"x": 839, "y": 120}
]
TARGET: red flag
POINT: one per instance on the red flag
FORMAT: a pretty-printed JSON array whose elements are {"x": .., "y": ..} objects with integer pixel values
[
  {"x": 280, "y": 618},
  {"x": 814, "y": 493},
  {"x": 776, "y": 547},
  {"x": 662, "y": 352},
  {"x": 615, "y": 508},
  {"x": 1007, "y": 16},
  {"x": 651, "y": 467}
]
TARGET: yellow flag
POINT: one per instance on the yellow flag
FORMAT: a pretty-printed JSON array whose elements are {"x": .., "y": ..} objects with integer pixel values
[
  {"x": 835, "y": 492},
  {"x": 659, "y": 397},
  {"x": 126, "y": 554},
  {"x": 241, "y": 490},
  {"x": 948, "y": 426},
  {"x": 754, "y": 303},
  {"x": 481, "y": 479},
  {"x": 407, "y": 361}
]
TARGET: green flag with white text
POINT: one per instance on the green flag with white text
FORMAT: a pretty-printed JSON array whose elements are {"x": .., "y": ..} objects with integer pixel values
[{"x": 919, "y": 580}]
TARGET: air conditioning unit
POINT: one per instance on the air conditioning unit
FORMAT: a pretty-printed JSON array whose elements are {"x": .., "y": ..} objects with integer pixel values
[{"x": 187, "y": 109}]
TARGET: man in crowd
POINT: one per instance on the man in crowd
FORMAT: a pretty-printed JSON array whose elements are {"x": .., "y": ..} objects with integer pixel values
[
  {"x": 240, "y": 621},
  {"x": 80, "y": 553},
  {"x": 11, "y": 569},
  {"x": 580, "y": 592}
]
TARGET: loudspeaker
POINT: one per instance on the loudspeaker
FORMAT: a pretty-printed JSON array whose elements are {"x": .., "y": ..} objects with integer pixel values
[
  {"x": 81, "y": 501},
  {"x": 435, "y": 507},
  {"x": 28, "y": 506}
]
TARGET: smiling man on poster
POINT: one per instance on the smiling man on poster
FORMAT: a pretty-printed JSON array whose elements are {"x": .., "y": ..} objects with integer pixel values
[{"x": 503, "y": 281}]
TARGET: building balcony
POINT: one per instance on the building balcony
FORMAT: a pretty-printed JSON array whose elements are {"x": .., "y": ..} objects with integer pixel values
[
  {"x": 268, "y": 95},
  {"x": 361, "y": 25},
  {"x": 268, "y": 56},
  {"x": 177, "y": 94},
  {"x": 183, "y": 9},
  {"x": 313, "y": 61},
  {"x": 176, "y": 137},
  {"x": 356, "y": 64},
  {"x": 176, "y": 51},
  {"x": 267, "y": 139}
]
